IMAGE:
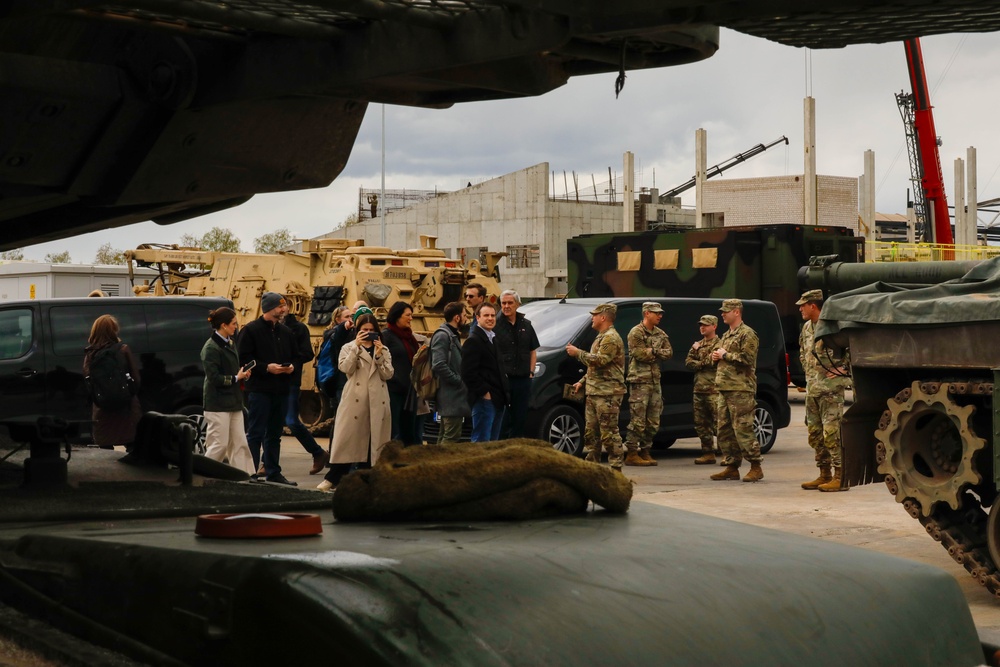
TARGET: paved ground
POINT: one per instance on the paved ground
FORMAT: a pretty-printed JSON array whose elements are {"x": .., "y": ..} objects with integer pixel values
[{"x": 866, "y": 517}]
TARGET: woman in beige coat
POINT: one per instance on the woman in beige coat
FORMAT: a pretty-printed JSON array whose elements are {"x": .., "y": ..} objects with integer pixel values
[{"x": 364, "y": 421}]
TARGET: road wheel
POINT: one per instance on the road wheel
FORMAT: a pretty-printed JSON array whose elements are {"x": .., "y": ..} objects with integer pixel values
[
  {"x": 562, "y": 427},
  {"x": 763, "y": 426}
]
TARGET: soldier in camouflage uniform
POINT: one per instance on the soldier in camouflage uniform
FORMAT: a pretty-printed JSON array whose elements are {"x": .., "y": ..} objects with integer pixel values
[
  {"x": 648, "y": 345},
  {"x": 706, "y": 396},
  {"x": 605, "y": 382},
  {"x": 826, "y": 380},
  {"x": 736, "y": 380}
]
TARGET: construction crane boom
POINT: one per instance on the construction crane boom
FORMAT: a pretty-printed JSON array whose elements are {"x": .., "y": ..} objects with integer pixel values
[
  {"x": 721, "y": 167},
  {"x": 930, "y": 200}
]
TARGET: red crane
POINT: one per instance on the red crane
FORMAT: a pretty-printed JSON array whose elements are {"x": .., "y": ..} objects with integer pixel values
[{"x": 931, "y": 203}]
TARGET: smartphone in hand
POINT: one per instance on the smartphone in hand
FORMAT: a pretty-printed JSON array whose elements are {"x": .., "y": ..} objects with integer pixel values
[
  {"x": 372, "y": 336},
  {"x": 250, "y": 364}
]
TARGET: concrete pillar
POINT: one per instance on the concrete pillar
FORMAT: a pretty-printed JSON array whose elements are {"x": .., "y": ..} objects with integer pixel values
[
  {"x": 700, "y": 171},
  {"x": 809, "y": 214},
  {"x": 961, "y": 224},
  {"x": 866, "y": 201},
  {"x": 972, "y": 194},
  {"x": 628, "y": 192},
  {"x": 911, "y": 225}
]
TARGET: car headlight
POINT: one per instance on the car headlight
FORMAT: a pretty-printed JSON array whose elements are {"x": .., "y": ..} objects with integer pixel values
[{"x": 539, "y": 369}]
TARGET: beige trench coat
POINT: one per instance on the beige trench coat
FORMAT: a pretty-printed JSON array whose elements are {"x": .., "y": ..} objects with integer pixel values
[{"x": 363, "y": 413}]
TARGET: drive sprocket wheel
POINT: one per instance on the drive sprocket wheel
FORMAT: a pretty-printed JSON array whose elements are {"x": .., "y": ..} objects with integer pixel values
[{"x": 929, "y": 446}]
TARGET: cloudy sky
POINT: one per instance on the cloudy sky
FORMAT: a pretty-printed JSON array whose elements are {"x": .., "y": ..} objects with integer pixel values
[{"x": 750, "y": 92}]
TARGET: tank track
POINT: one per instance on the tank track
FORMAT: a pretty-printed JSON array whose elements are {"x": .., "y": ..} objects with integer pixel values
[{"x": 960, "y": 526}]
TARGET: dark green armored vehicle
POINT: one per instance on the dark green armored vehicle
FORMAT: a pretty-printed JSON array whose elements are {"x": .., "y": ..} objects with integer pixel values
[
  {"x": 925, "y": 364},
  {"x": 732, "y": 262}
]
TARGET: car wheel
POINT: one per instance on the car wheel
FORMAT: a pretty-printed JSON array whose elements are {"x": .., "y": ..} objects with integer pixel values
[
  {"x": 197, "y": 419},
  {"x": 562, "y": 427},
  {"x": 763, "y": 426}
]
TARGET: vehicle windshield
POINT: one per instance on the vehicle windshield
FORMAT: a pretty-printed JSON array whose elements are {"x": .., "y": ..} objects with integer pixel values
[{"x": 556, "y": 323}]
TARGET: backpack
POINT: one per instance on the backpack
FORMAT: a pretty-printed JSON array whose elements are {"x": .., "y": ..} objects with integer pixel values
[
  {"x": 326, "y": 367},
  {"x": 110, "y": 384},
  {"x": 422, "y": 376}
]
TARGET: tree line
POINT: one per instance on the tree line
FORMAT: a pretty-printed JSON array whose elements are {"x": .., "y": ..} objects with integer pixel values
[{"x": 217, "y": 239}]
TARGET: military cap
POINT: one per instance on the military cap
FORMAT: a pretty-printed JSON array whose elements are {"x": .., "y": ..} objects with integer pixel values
[
  {"x": 605, "y": 308},
  {"x": 710, "y": 320},
  {"x": 812, "y": 296},
  {"x": 652, "y": 307},
  {"x": 271, "y": 300},
  {"x": 731, "y": 304}
]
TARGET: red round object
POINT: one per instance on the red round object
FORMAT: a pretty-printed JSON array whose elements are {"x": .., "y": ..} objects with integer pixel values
[{"x": 258, "y": 524}]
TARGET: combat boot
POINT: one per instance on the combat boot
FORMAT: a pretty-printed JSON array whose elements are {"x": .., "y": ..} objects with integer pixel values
[
  {"x": 633, "y": 459},
  {"x": 706, "y": 458},
  {"x": 824, "y": 477},
  {"x": 648, "y": 457},
  {"x": 834, "y": 484},
  {"x": 755, "y": 474},
  {"x": 731, "y": 472}
]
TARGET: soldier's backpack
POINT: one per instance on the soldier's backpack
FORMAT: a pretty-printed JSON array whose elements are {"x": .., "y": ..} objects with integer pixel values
[
  {"x": 110, "y": 384},
  {"x": 422, "y": 376}
]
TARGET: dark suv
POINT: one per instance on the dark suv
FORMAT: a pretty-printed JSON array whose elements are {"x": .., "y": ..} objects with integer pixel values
[
  {"x": 42, "y": 344},
  {"x": 560, "y": 421}
]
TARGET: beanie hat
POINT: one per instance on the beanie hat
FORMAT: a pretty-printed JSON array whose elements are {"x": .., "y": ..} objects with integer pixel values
[
  {"x": 363, "y": 310},
  {"x": 270, "y": 301}
]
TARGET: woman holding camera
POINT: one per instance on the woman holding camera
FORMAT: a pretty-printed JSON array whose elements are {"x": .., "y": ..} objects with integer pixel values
[
  {"x": 364, "y": 421},
  {"x": 223, "y": 399}
]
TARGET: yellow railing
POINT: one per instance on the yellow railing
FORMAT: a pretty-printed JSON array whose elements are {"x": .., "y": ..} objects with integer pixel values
[{"x": 883, "y": 251}]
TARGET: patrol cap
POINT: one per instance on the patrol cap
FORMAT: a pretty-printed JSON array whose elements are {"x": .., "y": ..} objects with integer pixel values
[
  {"x": 270, "y": 301},
  {"x": 651, "y": 307},
  {"x": 731, "y": 304},
  {"x": 605, "y": 308},
  {"x": 812, "y": 296},
  {"x": 709, "y": 320}
]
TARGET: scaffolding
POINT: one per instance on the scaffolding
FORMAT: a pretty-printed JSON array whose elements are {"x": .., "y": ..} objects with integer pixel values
[{"x": 369, "y": 207}]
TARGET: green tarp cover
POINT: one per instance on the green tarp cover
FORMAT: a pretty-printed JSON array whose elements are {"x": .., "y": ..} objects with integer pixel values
[{"x": 975, "y": 297}]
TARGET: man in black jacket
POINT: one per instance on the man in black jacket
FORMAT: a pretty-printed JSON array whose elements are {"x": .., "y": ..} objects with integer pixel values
[
  {"x": 489, "y": 392},
  {"x": 269, "y": 343},
  {"x": 517, "y": 343},
  {"x": 303, "y": 352}
]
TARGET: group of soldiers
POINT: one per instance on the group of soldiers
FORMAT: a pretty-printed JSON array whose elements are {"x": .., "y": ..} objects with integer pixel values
[{"x": 725, "y": 387}]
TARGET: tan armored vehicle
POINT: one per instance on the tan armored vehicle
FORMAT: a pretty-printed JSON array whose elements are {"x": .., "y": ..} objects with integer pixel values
[{"x": 328, "y": 273}]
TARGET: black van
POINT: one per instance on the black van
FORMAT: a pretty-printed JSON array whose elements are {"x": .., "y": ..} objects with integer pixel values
[
  {"x": 42, "y": 346},
  {"x": 560, "y": 421}
]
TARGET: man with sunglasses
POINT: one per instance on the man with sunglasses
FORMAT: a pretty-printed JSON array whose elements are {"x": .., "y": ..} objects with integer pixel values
[{"x": 475, "y": 294}]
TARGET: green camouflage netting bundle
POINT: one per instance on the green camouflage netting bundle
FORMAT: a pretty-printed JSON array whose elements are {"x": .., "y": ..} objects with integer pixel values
[{"x": 509, "y": 479}]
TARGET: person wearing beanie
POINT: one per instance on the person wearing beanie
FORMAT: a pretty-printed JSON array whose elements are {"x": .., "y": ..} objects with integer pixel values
[{"x": 269, "y": 343}]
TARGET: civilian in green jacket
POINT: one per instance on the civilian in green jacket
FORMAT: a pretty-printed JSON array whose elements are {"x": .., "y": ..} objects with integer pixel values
[{"x": 225, "y": 438}]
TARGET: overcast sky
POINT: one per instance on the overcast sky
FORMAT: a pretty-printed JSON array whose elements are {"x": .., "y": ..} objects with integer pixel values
[{"x": 750, "y": 92}]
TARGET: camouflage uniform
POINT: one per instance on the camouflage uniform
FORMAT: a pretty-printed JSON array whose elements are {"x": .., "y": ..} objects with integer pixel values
[
  {"x": 706, "y": 396},
  {"x": 645, "y": 400},
  {"x": 605, "y": 383},
  {"x": 824, "y": 398},
  {"x": 736, "y": 380}
]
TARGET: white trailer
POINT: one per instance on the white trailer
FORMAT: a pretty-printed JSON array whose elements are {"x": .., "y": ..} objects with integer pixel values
[{"x": 43, "y": 280}]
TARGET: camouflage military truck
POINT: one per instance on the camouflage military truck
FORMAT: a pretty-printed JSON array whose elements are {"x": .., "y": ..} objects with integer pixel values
[
  {"x": 733, "y": 262},
  {"x": 327, "y": 274},
  {"x": 925, "y": 366}
]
